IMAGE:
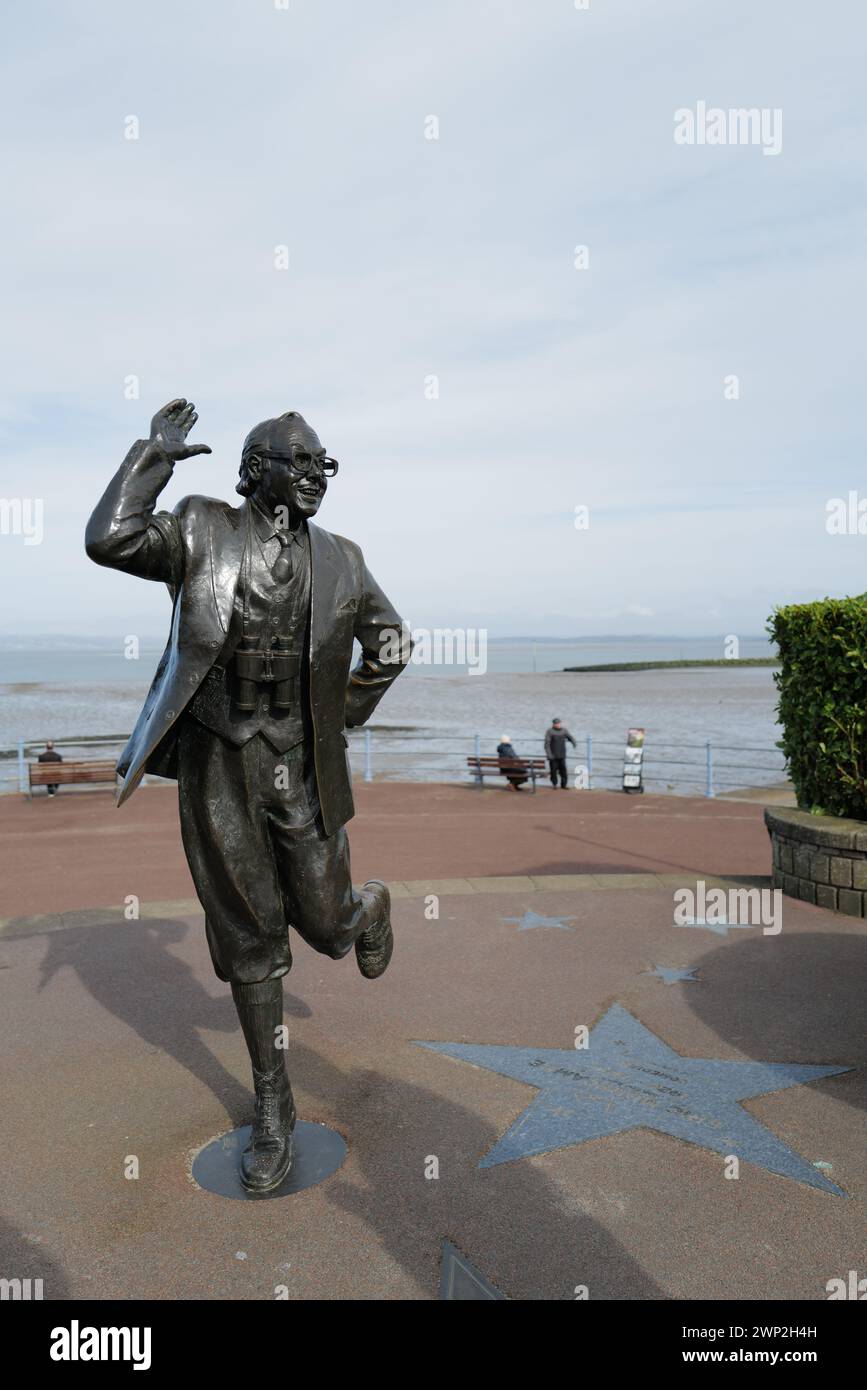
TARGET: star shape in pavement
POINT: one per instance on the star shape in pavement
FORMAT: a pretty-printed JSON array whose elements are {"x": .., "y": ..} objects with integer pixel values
[
  {"x": 720, "y": 926},
  {"x": 460, "y": 1281},
  {"x": 627, "y": 1078},
  {"x": 670, "y": 976},
  {"x": 533, "y": 919}
]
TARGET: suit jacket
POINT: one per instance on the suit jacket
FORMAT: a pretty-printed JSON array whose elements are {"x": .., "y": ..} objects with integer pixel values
[{"x": 197, "y": 550}]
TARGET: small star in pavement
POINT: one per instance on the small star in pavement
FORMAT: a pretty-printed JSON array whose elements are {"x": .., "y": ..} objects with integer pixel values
[
  {"x": 720, "y": 926},
  {"x": 533, "y": 919},
  {"x": 460, "y": 1281},
  {"x": 671, "y": 977}
]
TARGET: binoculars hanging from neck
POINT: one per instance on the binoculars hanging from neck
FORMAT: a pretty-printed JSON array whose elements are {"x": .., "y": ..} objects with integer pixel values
[{"x": 277, "y": 666}]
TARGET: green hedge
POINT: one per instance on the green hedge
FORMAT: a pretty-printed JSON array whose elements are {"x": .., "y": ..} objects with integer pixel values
[{"x": 823, "y": 702}]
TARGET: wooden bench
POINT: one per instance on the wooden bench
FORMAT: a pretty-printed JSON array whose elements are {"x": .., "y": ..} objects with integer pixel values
[
  {"x": 501, "y": 767},
  {"x": 70, "y": 774}
]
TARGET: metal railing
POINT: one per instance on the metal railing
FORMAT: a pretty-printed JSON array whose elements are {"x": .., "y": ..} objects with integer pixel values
[
  {"x": 707, "y": 767},
  {"x": 17, "y": 755}
]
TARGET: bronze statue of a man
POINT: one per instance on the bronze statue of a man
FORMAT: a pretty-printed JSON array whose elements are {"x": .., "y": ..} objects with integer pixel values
[{"x": 248, "y": 711}]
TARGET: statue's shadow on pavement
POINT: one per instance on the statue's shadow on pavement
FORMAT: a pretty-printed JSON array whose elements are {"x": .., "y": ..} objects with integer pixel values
[
  {"x": 511, "y": 1221},
  {"x": 131, "y": 972},
  {"x": 514, "y": 1223}
]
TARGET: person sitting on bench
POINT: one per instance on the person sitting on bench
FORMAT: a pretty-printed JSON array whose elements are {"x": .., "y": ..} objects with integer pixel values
[
  {"x": 50, "y": 756},
  {"x": 505, "y": 752}
]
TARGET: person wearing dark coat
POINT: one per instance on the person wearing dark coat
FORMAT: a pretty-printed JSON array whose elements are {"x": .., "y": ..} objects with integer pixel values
[
  {"x": 555, "y": 751},
  {"x": 517, "y": 776},
  {"x": 50, "y": 755}
]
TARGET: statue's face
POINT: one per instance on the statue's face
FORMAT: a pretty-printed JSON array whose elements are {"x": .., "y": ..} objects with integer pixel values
[{"x": 281, "y": 481}]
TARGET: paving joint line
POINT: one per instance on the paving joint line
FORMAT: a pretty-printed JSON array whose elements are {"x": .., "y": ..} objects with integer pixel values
[{"x": 38, "y": 924}]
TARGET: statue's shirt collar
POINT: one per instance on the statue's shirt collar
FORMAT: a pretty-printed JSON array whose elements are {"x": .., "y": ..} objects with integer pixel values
[{"x": 266, "y": 525}]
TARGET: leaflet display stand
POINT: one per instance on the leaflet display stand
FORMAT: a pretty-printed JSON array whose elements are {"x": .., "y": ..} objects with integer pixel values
[{"x": 633, "y": 761}]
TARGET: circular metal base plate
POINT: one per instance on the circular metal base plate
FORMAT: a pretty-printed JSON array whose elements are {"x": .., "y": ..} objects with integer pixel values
[{"x": 319, "y": 1152}]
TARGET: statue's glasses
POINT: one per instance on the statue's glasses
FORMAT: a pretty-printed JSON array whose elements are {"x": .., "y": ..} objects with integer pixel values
[{"x": 304, "y": 464}]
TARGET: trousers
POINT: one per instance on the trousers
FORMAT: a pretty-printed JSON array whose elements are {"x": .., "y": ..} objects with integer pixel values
[
  {"x": 557, "y": 768},
  {"x": 259, "y": 856}
]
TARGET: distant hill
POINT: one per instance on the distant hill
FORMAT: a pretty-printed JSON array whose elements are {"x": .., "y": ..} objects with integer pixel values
[{"x": 665, "y": 665}]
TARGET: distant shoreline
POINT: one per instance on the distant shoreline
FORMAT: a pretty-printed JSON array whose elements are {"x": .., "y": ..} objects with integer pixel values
[{"x": 669, "y": 665}]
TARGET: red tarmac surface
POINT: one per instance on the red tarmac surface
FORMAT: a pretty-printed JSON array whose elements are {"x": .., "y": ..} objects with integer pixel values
[
  {"x": 77, "y": 850},
  {"x": 130, "y": 1046}
]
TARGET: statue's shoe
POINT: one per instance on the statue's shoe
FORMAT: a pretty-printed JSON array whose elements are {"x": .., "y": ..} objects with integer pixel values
[
  {"x": 374, "y": 947},
  {"x": 268, "y": 1157}
]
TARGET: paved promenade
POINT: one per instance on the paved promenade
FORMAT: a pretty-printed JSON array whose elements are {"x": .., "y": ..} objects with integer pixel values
[{"x": 488, "y": 1155}]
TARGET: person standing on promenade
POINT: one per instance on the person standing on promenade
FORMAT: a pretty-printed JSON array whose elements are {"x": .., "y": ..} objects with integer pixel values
[
  {"x": 555, "y": 752},
  {"x": 50, "y": 755}
]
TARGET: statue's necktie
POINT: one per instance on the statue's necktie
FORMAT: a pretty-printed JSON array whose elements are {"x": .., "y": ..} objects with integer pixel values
[{"x": 283, "y": 564}]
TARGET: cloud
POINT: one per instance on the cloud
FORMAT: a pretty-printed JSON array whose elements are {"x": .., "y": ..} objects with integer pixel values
[{"x": 410, "y": 258}]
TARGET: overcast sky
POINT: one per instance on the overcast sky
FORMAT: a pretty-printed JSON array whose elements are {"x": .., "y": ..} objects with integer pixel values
[{"x": 261, "y": 127}]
